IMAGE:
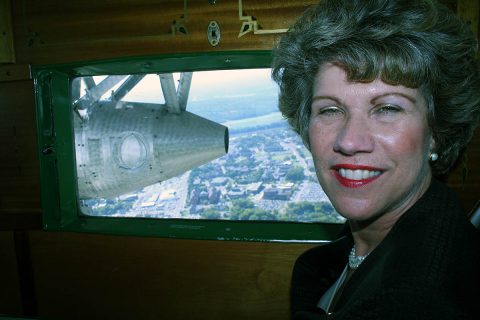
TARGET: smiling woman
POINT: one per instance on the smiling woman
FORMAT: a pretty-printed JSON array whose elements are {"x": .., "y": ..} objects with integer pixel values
[
  {"x": 384, "y": 93},
  {"x": 370, "y": 143}
]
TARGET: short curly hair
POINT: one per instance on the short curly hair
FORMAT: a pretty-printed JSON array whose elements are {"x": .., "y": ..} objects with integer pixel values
[{"x": 416, "y": 43}]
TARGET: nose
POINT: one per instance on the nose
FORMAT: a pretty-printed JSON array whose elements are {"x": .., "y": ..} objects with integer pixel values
[{"x": 353, "y": 137}]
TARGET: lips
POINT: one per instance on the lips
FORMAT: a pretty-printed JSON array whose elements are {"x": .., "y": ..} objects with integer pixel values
[{"x": 354, "y": 176}]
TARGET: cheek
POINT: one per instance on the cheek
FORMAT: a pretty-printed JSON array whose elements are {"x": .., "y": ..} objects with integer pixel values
[
  {"x": 410, "y": 144},
  {"x": 322, "y": 155},
  {"x": 319, "y": 143}
]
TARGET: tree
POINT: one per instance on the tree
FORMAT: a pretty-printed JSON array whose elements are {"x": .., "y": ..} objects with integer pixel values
[
  {"x": 211, "y": 214},
  {"x": 310, "y": 212},
  {"x": 242, "y": 204},
  {"x": 295, "y": 174}
]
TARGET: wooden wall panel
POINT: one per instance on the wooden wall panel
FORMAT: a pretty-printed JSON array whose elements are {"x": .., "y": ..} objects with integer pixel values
[
  {"x": 6, "y": 35},
  {"x": 79, "y": 276},
  {"x": 465, "y": 179},
  {"x": 469, "y": 10},
  {"x": 19, "y": 169},
  {"x": 10, "y": 300},
  {"x": 54, "y": 31}
]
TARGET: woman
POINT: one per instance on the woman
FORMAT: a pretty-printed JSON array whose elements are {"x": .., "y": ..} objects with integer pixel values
[{"x": 385, "y": 94}]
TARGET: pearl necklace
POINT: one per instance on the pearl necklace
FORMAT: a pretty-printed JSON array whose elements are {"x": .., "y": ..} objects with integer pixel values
[{"x": 355, "y": 261}]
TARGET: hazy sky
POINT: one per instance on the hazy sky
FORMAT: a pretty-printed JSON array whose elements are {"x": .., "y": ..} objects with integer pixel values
[{"x": 206, "y": 85}]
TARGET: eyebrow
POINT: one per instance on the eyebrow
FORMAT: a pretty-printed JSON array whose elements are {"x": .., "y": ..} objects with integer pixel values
[
  {"x": 325, "y": 97},
  {"x": 406, "y": 96}
]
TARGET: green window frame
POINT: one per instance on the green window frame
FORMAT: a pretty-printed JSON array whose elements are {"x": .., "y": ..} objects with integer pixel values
[{"x": 56, "y": 151}]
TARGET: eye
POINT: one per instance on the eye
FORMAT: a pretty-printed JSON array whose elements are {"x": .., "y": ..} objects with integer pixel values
[
  {"x": 333, "y": 111},
  {"x": 387, "y": 109}
]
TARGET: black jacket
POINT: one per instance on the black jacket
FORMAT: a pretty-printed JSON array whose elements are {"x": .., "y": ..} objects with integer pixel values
[{"x": 427, "y": 267}]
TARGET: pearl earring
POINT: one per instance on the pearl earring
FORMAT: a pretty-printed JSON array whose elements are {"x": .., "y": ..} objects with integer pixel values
[{"x": 433, "y": 156}]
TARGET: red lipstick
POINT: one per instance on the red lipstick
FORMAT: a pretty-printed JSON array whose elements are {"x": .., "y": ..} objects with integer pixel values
[{"x": 351, "y": 183}]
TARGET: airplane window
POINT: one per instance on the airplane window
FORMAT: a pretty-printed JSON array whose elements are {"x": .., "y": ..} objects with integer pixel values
[{"x": 201, "y": 145}]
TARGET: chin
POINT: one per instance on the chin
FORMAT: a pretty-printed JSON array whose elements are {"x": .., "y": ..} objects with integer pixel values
[{"x": 355, "y": 211}]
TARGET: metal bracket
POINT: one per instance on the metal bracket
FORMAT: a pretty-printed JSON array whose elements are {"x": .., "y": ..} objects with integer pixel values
[
  {"x": 213, "y": 33},
  {"x": 94, "y": 93},
  {"x": 250, "y": 24},
  {"x": 175, "y": 100}
]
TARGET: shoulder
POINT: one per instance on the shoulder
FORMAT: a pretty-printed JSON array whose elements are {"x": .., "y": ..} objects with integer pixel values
[
  {"x": 315, "y": 271},
  {"x": 434, "y": 250},
  {"x": 316, "y": 261},
  {"x": 437, "y": 220}
]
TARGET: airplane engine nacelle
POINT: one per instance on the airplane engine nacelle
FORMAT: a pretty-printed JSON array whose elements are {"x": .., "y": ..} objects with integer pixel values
[{"x": 121, "y": 150}]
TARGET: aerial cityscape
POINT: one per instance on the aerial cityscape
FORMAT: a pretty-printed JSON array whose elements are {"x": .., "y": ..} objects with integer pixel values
[{"x": 267, "y": 174}]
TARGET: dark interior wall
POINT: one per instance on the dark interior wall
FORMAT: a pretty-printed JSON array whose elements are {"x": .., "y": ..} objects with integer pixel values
[
  {"x": 85, "y": 276},
  {"x": 77, "y": 276},
  {"x": 465, "y": 179},
  {"x": 10, "y": 298},
  {"x": 20, "y": 185}
]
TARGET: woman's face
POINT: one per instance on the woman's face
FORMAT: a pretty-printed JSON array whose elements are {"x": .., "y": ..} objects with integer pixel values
[{"x": 370, "y": 144}]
